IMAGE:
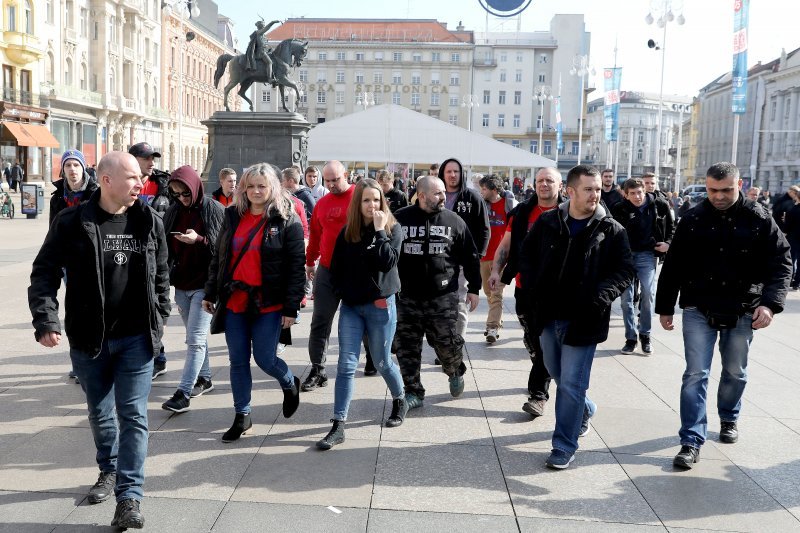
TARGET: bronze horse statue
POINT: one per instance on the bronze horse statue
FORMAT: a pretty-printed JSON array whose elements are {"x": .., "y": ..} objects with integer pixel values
[{"x": 289, "y": 53}]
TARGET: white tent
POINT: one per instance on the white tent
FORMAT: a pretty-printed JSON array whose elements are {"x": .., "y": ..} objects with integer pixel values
[{"x": 393, "y": 134}]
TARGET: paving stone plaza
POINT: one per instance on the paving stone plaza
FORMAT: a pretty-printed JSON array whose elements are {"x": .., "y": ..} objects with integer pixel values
[{"x": 475, "y": 463}]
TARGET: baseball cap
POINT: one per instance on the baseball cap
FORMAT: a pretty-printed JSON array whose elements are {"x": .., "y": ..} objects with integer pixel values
[{"x": 143, "y": 150}]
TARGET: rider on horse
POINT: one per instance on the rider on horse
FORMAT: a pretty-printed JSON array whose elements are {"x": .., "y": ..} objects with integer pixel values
[{"x": 257, "y": 49}]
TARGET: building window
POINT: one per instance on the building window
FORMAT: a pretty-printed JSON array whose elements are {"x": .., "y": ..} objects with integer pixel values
[
  {"x": 453, "y": 100},
  {"x": 515, "y": 143},
  {"x": 434, "y": 98},
  {"x": 487, "y": 97},
  {"x": 641, "y": 136},
  {"x": 303, "y": 75},
  {"x": 322, "y": 76},
  {"x": 434, "y": 78},
  {"x": 517, "y": 97},
  {"x": 485, "y": 120},
  {"x": 359, "y": 77},
  {"x": 322, "y": 56},
  {"x": 397, "y": 78},
  {"x": 68, "y": 72},
  {"x": 548, "y": 147},
  {"x": 415, "y": 79},
  {"x": 453, "y": 119},
  {"x": 84, "y": 75},
  {"x": 378, "y": 56},
  {"x": 773, "y": 110},
  {"x": 435, "y": 57},
  {"x": 50, "y": 68},
  {"x": 454, "y": 79},
  {"x": 416, "y": 57},
  {"x": 574, "y": 150},
  {"x": 359, "y": 56},
  {"x": 85, "y": 23},
  {"x": 377, "y": 77},
  {"x": 502, "y": 75},
  {"x": 112, "y": 29},
  {"x": 542, "y": 78},
  {"x": 48, "y": 11},
  {"x": 516, "y": 121},
  {"x": 487, "y": 76},
  {"x": 501, "y": 120},
  {"x": 414, "y": 99},
  {"x": 501, "y": 97},
  {"x": 503, "y": 57},
  {"x": 29, "y": 19},
  {"x": 322, "y": 97},
  {"x": 519, "y": 57},
  {"x": 397, "y": 56},
  {"x": 518, "y": 75},
  {"x": 534, "y": 147},
  {"x": 341, "y": 56},
  {"x": 265, "y": 96},
  {"x": 455, "y": 57},
  {"x": 339, "y": 97},
  {"x": 339, "y": 76},
  {"x": 396, "y": 98},
  {"x": 11, "y": 22},
  {"x": 378, "y": 98},
  {"x": 543, "y": 59},
  {"x": 639, "y": 154}
]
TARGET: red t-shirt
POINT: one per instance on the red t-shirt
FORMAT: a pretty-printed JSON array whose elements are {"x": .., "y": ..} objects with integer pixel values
[
  {"x": 536, "y": 212},
  {"x": 327, "y": 221},
  {"x": 497, "y": 224},
  {"x": 249, "y": 268}
]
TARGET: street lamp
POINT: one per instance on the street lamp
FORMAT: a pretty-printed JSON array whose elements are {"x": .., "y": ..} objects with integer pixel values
[
  {"x": 183, "y": 9},
  {"x": 581, "y": 67},
  {"x": 663, "y": 10},
  {"x": 542, "y": 93},
  {"x": 469, "y": 101},
  {"x": 365, "y": 99}
]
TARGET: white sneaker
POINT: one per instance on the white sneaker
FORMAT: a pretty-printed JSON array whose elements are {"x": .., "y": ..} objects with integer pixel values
[
  {"x": 281, "y": 348},
  {"x": 492, "y": 335}
]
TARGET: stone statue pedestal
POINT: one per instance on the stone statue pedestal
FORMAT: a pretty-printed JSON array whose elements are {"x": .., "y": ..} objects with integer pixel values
[{"x": 238, "y": 139}]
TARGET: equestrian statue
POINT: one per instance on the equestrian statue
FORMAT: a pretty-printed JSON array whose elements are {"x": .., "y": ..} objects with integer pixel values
[{"x": 262, "y": 64}]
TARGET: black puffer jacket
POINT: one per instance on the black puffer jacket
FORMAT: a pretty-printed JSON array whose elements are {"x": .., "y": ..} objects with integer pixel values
[
  {"x": 282, "y": 263},
  {"x": 73, "y": 243},
  {"x": 728, "y": 261},
  {"x": 599, "y": 255}
]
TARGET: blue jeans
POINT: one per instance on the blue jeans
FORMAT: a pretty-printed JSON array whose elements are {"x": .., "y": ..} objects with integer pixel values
[
  {"x": 645, "y": 265},
  {"x": 246, "y": 334},
  {"x": 571, "y": 367},
  {"x": 119, "y": 379},
  {"x": 197, "y": 323},
  {"x": 379, "y": 325},
  {"x": 698, "y": 341}
]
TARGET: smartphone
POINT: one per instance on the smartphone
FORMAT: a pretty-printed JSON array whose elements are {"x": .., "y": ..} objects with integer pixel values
[{"x": 175, "y": 233}]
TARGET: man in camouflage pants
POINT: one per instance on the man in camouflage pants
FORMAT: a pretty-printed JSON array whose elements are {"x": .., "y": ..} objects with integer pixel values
[{"x": 436, "y": 245}]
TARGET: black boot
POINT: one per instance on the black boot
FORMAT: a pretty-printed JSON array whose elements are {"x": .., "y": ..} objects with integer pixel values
[
  {"x": 291, "y": 399},
  {"x": 241, "y": 425},
  {"x": 316, "y": 378},
  {"x": 399, "y": 410},
  {"x": 335, "y": 436},
  {"x": 647, "y": 346}
]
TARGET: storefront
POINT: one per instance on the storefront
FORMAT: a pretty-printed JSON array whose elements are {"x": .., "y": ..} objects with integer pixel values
[{"x": 24, "y": 138}]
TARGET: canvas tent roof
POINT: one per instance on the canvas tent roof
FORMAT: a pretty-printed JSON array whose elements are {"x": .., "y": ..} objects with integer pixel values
[{"x": 394, "y": 134}]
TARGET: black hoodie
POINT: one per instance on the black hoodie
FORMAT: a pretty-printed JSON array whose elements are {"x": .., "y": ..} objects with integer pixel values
[{"x": 472, "y": 209}]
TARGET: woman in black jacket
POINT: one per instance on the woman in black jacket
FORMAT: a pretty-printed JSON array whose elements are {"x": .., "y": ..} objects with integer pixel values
[
  {"x": 254, "y": 288},
  {"x": 364, "y": 273}
]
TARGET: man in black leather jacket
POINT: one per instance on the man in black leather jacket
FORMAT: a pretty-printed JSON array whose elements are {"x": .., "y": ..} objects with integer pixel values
[{"x": 730, "y": 263}]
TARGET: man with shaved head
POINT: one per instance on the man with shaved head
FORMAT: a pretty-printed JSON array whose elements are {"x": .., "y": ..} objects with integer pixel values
[{"x": 111, "y": 248}]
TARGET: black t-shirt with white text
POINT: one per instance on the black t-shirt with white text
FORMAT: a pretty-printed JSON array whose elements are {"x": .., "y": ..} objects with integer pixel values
[{"x": 124, "y": 277}]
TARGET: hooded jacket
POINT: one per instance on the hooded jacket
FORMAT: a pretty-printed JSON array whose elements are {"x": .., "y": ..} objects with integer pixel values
[
  {"x": 317, "y": 191},
  {"x": 304, "y": 194},
  {"x": 434, "y": 246},
  {"x": 64, "y": 197},
  {"x": 189, "y": 262},
  {"x": 73, "y": 244},
  {"x": 577, "y": 277},
  {"x": 472, "y": 209}
]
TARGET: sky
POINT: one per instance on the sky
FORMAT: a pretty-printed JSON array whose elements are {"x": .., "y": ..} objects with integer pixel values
[{"x": 695, "y": 53}]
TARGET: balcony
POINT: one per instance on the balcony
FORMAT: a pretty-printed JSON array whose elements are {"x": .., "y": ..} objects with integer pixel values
[
  {"x": 70, "y": 92},
  {"x": 71, "y": 35},
  {"x": 158, "y": 113},
  {"x": 128, "y": 54},
  {"x": 481, "y": 62},
  {"x": 22, "y": 97},
  {"x": 22, "y": 48}
]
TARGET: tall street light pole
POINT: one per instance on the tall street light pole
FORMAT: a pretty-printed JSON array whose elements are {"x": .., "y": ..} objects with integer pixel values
[
  {"x": 365, "y": 99},
  {"x": 581, "y": 67},
  {"x": 663, "y": 10},
  {"x": 542, "y": 94},
  {"x": 469, "y": 101}
]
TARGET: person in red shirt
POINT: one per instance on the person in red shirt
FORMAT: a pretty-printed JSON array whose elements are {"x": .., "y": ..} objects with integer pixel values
[
  {"x": 227, "y": 186},
  {"x": 505, "y": 268},
  {"x": 254, "y": 287},
  {"x": 498, "y": 207}
]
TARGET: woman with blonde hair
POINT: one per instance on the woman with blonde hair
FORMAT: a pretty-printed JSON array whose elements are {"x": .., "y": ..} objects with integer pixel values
[
  {"x": 254, "y": 288},
  {"x": 364, "y": 275}
]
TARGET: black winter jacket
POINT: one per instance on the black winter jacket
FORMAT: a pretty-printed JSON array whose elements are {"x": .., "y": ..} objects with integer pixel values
[
  {"x": 793, "y": 225},
  {"x": 303, "y": 194},
  {"x": 728, "y": 261},
  {"x": 57, "y": 201},
  {"x": 663, "y": 227},
  {"x": 161, "y": 201},
  {"x": 396, "y": 199},
  {"x": 72, "y": 243},
  {"x": 365, "y": 271},
  {"x": 282, "y": 264},
  {"x": 472, "y": 209},
  {"x": 603, "y": 257},
  {"x": 434, "y": 246},
  {"x": 212, "y": 213}
]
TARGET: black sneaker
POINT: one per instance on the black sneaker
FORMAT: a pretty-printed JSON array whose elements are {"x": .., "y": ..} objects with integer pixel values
[
  {"x": 399, "y": 411},
  {"x": 585, "y": 427},
  {"x": 179, "y": 403},
  {"x": 201, "y": 387},
  {"x": 687, "y": 457},
  {"x": 630, "y": 346},
  {"x": 317, "y": 378},
  {"x": 728, "y": 432},
  {"x": 159, "y": 367},
  {"x": 104, "y": 487},
  {"x": 128, "y": 515},
  {"x": 647, "y": 346}
]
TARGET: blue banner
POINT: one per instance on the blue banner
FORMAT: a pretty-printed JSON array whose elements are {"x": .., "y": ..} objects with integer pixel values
[
  {"x": 559, "y": 130},
  {"x": 739, "y": 74},
  {"x": 612, "y": 77}
]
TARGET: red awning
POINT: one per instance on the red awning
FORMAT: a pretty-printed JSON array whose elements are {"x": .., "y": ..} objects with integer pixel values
[{"x": 31, "y": 135}]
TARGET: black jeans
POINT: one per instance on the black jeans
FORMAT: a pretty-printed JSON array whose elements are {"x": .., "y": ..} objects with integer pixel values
[{"x": 538, "y": 379}]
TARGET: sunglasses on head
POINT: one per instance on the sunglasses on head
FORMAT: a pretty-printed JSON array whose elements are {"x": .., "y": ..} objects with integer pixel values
[{"x": 176, "y": 194}]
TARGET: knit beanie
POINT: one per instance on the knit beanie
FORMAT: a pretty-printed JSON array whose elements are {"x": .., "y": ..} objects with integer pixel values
[{"x": 72, "y": 154}]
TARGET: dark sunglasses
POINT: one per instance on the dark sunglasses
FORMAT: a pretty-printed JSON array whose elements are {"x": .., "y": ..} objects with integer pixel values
[{"x": 176, "y": 194}]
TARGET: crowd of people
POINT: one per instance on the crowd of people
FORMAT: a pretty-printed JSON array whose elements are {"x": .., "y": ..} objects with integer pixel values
[{"x": 399, "y": 266}]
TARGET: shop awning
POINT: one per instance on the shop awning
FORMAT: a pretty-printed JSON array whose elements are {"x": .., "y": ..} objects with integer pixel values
[{"x": 31, "y": 135}]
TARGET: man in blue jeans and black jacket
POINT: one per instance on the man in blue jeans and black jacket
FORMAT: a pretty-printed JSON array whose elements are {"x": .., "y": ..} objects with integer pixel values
[
  {"x": 730, "y": 263},
  {"x": 114, "y": 252}
]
